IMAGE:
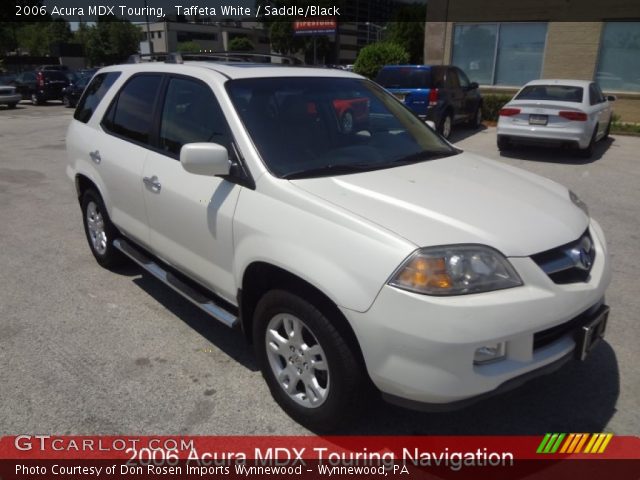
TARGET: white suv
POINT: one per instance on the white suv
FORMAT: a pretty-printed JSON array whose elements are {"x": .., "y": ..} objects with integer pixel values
[{"x": 348, "y": 241}]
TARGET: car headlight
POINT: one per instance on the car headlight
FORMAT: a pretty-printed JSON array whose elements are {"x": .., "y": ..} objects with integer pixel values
[
  {"x": 455, "y": 270},
  {"x": 578, "y": 203}
]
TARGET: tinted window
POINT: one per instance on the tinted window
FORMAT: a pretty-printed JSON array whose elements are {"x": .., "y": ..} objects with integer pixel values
[
  {"x": 93, "y": 94},
  {"x": 404, "y": 77},
  {"x": 594, "y": 97},
  {"x": 452, "y": 79},
  {"x": 464, "y": 81},
  {"x": 558, "y": 93},
  {"x": 54, "y": 76},
  {"x": 191, "y": 114},
  {"x": 130, "y": 115}
]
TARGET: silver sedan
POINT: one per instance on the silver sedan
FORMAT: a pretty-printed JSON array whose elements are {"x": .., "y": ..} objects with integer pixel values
[{"x": 572, "y": 113}]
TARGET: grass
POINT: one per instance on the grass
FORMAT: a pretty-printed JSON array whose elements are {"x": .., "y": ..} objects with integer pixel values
[{"x": 624, "y": 128}]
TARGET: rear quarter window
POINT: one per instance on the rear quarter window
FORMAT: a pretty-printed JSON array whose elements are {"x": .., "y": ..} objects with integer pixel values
[{"x": 93, "y": 94}]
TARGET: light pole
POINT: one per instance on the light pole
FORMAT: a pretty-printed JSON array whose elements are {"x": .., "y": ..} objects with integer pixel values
[{"x": 378, "y": 28}]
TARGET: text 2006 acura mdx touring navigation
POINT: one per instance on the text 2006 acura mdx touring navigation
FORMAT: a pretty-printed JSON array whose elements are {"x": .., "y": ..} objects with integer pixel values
[{"x": 344, "y": 250}]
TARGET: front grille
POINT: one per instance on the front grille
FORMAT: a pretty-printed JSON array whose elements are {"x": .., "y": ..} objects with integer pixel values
[
  {"x": 570, "y": 263},
  {"x": 550, "y": 335}
]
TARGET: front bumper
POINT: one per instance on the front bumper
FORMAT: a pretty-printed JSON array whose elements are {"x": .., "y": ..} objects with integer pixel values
[{"x": 420, "y": 348}]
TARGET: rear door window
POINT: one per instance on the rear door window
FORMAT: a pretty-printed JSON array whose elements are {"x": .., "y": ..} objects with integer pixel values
[
  {"x": 130, "y": 114},
  {"x": 92, "y": 96}
]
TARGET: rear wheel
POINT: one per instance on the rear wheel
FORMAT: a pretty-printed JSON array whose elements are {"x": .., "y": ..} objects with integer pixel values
[
  {"x": 476, "y": 119},
  {"x": 588, "y": 152},
  {"x": 35, "y": 99},
  {"x": 503, "y": 143},
  {"x": 446, "y": 125},
  {"x": 13, "y": 105},
  {"x": 347, "y": 122},
  {"x": 310, "y": 369},
  {"x": 99, "y": 230}
]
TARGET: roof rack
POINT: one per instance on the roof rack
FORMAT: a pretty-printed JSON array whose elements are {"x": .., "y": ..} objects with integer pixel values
[{"x": 177, "y": 57}]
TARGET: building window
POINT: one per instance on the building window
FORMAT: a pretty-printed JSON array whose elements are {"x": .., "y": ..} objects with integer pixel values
[
  {"x": 618, "y": 65},
  {"x": 500, "y": 53},
  {"x": 159, "y": 34}
]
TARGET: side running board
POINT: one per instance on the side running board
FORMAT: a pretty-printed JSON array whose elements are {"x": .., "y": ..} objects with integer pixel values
[{"x": 206, "y": 304}]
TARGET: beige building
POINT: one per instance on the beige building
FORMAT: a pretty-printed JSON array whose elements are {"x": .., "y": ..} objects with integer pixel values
[
  {"x": 166, "y": 36},
  {"x": 502, "y": 44}
]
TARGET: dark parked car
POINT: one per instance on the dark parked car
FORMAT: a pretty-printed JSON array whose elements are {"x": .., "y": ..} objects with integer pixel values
[
  {"x": 440, "y": 93},
  {"x": 41, "y": 86},
  {"x": 72, "y": 92}
]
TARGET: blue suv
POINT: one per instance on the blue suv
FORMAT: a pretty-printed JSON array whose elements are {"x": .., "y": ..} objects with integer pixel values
[{"x": 440, "y": 93}]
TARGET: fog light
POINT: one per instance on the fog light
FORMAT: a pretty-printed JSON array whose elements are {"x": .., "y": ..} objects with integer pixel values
[{"x": 490, "y": 353}]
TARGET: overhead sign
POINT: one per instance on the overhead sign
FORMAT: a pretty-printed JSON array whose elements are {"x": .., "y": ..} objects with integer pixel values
[{"x": 323, "y": 26}]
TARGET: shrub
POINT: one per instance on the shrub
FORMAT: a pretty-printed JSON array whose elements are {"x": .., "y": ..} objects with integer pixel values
[
  {"x": 373, "y": 57},
  {"x": 491, "y": 105}
]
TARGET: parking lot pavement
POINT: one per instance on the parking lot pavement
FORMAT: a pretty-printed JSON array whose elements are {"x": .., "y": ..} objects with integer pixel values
[{"x": 88, "y": 351}]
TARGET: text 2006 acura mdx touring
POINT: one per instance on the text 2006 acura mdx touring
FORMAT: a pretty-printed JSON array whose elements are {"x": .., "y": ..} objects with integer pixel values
[{"x": 346, "y": 248}]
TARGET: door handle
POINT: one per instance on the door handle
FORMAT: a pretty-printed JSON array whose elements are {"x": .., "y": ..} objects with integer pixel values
[
  {"x": 95, "y": 156},
  {"x": 152, "y": 183}
]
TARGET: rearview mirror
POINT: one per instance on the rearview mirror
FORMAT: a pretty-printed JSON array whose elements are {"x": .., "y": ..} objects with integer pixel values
[
  {"x": 473, "y": 85},
  {"x": 611, "y": 98},
  {"x": 205, "y": 159}
]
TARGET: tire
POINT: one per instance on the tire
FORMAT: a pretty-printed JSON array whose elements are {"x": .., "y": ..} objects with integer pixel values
[
  {"x": 503, "y": 143},
  {"x": 588, "y": 152},
  {"x": 35, "y": 100},
  {"x": 446, "y": 126},
  {"x": 299, "y": 336},
  {"x": 347, "y": 122},
  {"x": 607, "y": 131},
  {"x": 12, "y": 105},
  {"x": 99, "y": 230},
  {"x": 476, "y": 121},
  {"x": 66, "y": 101}
]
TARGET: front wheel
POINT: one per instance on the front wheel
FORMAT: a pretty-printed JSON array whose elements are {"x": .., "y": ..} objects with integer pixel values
[
  {"x": 311, "y": 371},
  {"x": 12, "y": 105},
  {"x": 99, "y": 230},
  {"x": 476, "y": 119},
  {"x": 35, "y": 100}
]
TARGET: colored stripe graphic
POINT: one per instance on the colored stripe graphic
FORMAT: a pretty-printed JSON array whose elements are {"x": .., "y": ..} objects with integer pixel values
[{"x": 574, "y": 443}]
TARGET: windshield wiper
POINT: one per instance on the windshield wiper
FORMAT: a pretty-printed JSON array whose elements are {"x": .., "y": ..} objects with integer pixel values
[
  {"x": 330, "y": 169},
  {"x": 423, "y": 156}
]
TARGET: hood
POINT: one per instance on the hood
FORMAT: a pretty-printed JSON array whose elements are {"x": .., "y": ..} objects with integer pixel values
[{"x": 459, "y": 199}]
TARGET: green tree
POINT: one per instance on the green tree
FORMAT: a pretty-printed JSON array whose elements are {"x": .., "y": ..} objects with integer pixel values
[
  {"x": 373, "y": 57},
  {"x": 111, "y": 40},
  {"x": 189, "y": 47},
  {"x": 36, "y": 38},
  {"x": 407, "y": 29},
  {"x": 282, "y": 38},
  {"x": 241, "y": 44}
]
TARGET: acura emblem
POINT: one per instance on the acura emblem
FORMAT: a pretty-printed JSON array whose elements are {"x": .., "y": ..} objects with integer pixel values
[{"x": 581, "y": 254}]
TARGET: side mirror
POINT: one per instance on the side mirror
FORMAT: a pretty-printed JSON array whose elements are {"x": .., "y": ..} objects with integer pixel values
[
  {"x": 611, "y": 98},
  {"x": 473, "y": 85},
  {"x": 205, "y": 159},
  {"x": 431, "y": 125}
]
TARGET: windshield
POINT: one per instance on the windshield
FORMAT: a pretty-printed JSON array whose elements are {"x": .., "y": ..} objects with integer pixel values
[{"x": 312, "y": 126}]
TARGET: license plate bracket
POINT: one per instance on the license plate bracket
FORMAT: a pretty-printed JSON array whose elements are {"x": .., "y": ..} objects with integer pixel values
[
  {"x": 538, "y": 119},
  {"x": 591, "y": 333}
]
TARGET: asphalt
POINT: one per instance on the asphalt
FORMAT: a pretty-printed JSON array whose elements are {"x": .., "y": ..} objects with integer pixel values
[{"x": 84, "y": 350}]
